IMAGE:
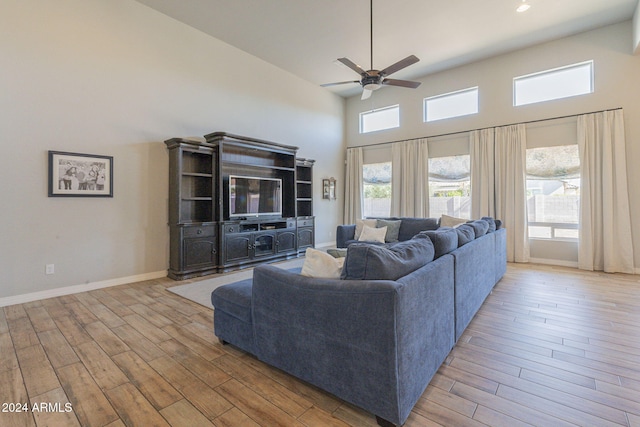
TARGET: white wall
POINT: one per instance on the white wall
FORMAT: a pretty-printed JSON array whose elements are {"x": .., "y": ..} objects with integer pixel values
[
  {"x": 113, "y": 77},
  {"x": 616, "y": 85},
  {"x": 636, "y": 30}
]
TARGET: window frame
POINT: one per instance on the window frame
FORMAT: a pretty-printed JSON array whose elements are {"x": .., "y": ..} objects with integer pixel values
[
  {"x": 551, "y": 72},
  {"x": 553, "y": 226},
  {"x": 378, "y": 110},
  {"x": 364, "y": 185},
  {"x": 425, "y": 101},
  {"x": 431, "y": 184}
]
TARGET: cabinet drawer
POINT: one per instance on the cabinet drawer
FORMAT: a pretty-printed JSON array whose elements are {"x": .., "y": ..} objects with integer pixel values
[
  {"x": 200, "y": 231},
  {"x": 305, "y": 223},
  {"x": 231, "y": 228}
]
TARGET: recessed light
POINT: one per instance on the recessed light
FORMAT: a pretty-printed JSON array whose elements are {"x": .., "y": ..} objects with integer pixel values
[{"x": 523, "y": 7}]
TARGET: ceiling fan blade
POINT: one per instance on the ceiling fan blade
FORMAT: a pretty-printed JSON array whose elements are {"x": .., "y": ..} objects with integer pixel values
[
  {"x": 401, "y": 83},
  {"x": 340, "y": 83},
  {"x": 355, "y": 67},
  {"x": 366, "y": 94},
  {"x": 403, "y": 63}
]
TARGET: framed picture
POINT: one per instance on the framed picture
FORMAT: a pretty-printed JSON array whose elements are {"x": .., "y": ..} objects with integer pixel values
[
  {"x": 80, "y": 175},
  {"x": 329, "y": 188}
]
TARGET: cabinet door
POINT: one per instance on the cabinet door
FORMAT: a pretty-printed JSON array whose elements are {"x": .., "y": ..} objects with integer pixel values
[
  {"x": 305, "y": 237},
  {"x": 200, "y": 252},
  {"x": 264, "y": 244},
  {"x": 286, "y": 241},
  {"x": 237, "y": 247}
]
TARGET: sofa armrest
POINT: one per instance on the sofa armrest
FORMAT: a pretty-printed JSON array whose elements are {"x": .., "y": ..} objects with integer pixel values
[
  {"x": 364, "y": 341},
  {"x": 345, "y": 233}
]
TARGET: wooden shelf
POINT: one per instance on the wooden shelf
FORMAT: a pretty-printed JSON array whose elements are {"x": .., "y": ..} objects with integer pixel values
[{"x": 204, "y": 237}]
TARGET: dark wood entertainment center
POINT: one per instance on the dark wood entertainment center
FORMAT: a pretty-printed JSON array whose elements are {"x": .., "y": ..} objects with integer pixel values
[{"x": 205, "y": 236}]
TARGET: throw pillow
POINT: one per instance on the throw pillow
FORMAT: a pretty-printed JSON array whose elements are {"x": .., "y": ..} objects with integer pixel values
[
  {"x": 360, "y": 223},
  {"x": 445, "y": 240},
  {"x": 321, "y": 264},
  {"x": 337, "y": 252},
  {"x": 393, "y": 228},
  {"x": 370, "y": 234},
  {"x": 451, "y": 221},
  {"x": 465, "y": 234},
  {"x": 372, "y": 262}
]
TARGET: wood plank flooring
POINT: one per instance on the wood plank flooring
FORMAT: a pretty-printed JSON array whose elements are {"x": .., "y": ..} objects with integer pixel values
[{"x": 550, "y": 347}]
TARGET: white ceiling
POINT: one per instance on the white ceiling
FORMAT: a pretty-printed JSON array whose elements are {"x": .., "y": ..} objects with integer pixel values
[{"x": 305, "y": 37}]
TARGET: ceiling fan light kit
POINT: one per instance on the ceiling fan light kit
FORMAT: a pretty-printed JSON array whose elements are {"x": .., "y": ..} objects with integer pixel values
[
  {"x": 523, "y": 7},
  {"x": 372, "y": 79}
]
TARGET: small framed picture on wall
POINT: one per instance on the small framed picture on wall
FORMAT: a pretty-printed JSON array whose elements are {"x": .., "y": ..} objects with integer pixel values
[
  {"x": 329, "y": 188},
  {"x": 80, "y": 175}
]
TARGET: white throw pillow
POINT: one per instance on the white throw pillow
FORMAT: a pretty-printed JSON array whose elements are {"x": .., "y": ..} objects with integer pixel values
[
  {"x": 360, "y": 223},
  {"x": 451, "y": 221},
  {"x": 372, "y": 234},
  {"x": 321, "y": 264}
]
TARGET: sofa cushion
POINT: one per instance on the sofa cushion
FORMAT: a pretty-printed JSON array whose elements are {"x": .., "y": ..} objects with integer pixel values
[
  {"x": 321, "y": 264},
  {"x": 451, "y": 221},
  {"x": 491, "y": 222},
  {"x": 234, "y": 299},
  {"x": 360, "y": 223},
  {"x": 466, "y": 234},
  {"x": 372, "y": 234},
  {"x": 480, "y": 226},
  {"x": 412, "y": 226},
  {"x": 389, "y": 262},
  {"x": 393, "y": 228},
  {"x": 445, "y": 240}
]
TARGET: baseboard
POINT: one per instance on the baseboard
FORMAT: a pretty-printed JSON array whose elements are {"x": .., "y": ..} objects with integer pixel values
[
  {"x": 560, "y": 263},
  {"x": 68, "y": 290}
]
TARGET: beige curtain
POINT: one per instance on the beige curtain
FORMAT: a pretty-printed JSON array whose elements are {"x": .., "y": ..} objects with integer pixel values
[
  {"x": 410, "y": 178},
  {"x": 510, "y": 189},
  {"x": 353, "y": 197},
  {"x": 482, "y": 153},
  {"x": 605, "y": 218}
]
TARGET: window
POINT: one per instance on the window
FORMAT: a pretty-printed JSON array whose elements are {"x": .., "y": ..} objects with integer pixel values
[
  {"x": 558, "y": 83},
  {"x": 553, "y": 192},
  {"x": 454, "y": 104},
  {"x": 377, "y": 189},
  {"x": 380, "y": 119},
  {"x": 450, "y": 186}
]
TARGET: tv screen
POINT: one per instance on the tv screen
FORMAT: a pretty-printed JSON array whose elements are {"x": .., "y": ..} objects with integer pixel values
[{"x": 252, "y": 196}]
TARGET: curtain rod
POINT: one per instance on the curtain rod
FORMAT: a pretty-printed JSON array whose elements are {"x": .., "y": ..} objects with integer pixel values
[{"x": 488, "y": 127}]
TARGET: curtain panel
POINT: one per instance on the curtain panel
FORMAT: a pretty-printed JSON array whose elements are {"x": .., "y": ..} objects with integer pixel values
[
  {"x": 353, "y": 186},
  {"x": 482, "y": 153},
  {"x": 511, "y": 189},
  {"x": 605, "y": 218},
  {"x": 410, "y": 179}
]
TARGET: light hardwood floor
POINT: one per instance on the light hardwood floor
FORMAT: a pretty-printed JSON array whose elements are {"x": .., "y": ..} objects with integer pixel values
[{"x": 550, "y": 347}]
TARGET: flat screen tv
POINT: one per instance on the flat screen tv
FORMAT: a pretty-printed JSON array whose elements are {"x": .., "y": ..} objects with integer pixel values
[{"x": 254, "y": 196}]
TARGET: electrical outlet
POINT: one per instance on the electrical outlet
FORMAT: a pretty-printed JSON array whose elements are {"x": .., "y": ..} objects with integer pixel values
[{"x": 49, "y": 269}]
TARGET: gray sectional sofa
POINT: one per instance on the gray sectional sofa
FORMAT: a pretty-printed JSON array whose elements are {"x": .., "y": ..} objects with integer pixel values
[{"x": 375, "y": 337}]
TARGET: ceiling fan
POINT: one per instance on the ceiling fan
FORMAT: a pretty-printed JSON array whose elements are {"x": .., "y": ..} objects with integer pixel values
[{"x": 374, "y": 79}]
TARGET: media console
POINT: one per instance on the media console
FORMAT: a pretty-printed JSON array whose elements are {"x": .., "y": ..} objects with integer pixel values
[{"x": 215, "y": 182}]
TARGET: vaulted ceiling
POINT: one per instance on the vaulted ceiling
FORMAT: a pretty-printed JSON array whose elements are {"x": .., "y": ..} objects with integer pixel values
[{"x": 305, "y": 37}]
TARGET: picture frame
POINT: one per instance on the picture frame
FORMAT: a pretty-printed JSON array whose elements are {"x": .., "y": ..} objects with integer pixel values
[
  {"x": 80, "y": 175},
  {"x": 329, "y": 188}
]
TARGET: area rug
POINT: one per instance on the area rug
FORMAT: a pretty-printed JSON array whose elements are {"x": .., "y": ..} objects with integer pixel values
[{"x": 200, "y": 291}]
